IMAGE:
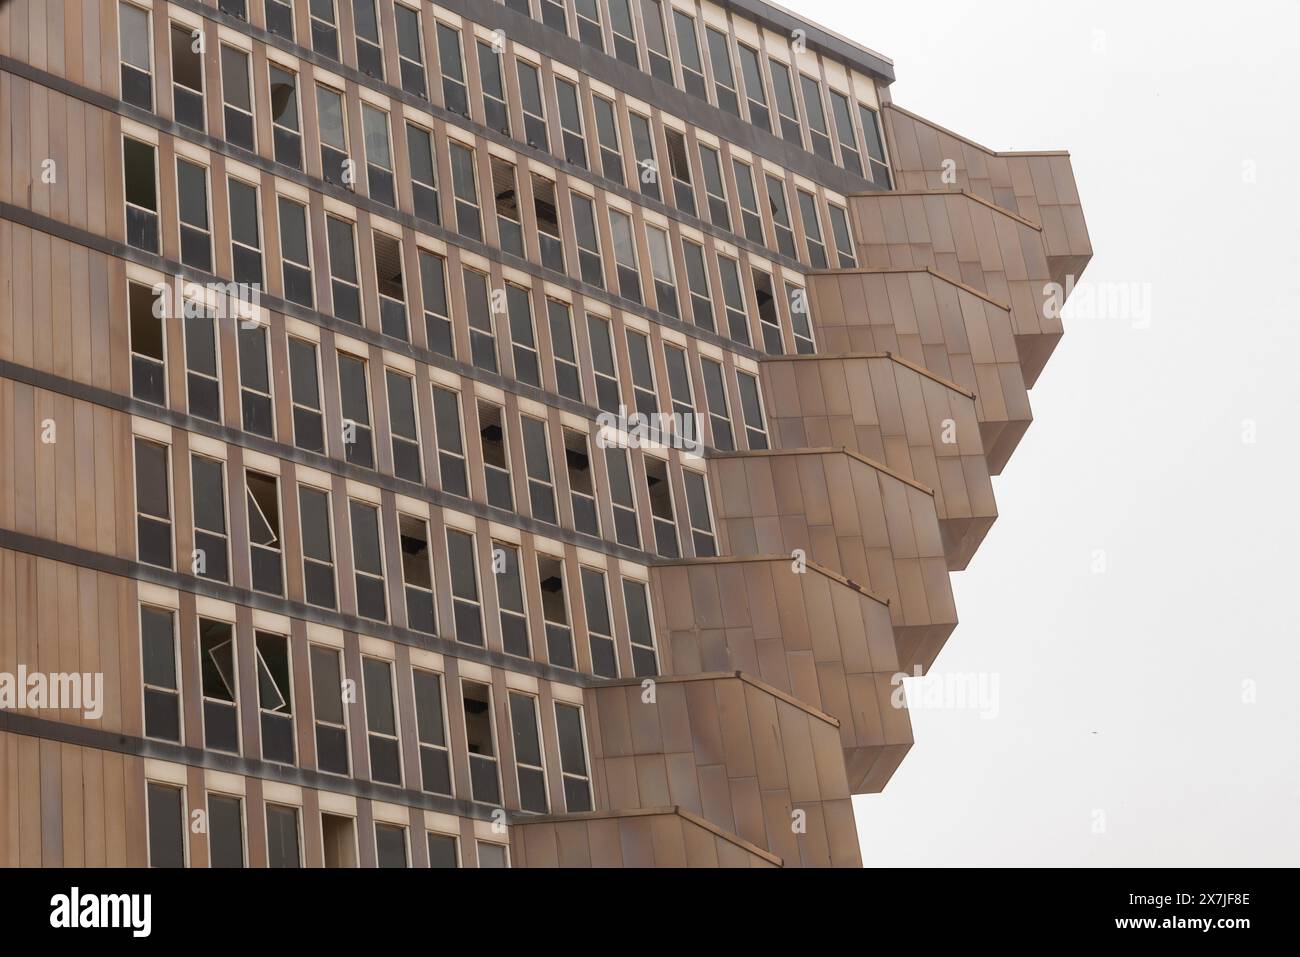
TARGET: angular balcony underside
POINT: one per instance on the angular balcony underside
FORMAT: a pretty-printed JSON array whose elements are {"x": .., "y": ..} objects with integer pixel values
[
  {"x": 948, "y": 328},
  {"x": 739, "y": 753},
  {"x": 890, "y": 411},
  {"x": 812, "y": 635},
  {"x": 878, "y": 529}
]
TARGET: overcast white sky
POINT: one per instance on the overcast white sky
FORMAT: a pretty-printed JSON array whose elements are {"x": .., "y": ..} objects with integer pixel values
[{"x": 1122, "y": 692}]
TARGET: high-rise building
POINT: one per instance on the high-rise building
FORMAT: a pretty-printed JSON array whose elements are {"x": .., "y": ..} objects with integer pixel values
[{"x": 486, "y": 433}]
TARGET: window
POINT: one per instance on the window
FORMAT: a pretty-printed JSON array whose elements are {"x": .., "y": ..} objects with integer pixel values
[
  {"x": 652, "y": 15},
  {"x": 327, "y": 706},
  {"x": 263, "y": 498},
  {"x": 279, "y": 17},
  {"x": 548, "y": 222},
  {"x": 211, "y": 540},
  {"x": 153, "y": 516},
  {"x": 237, "y": 101},
  {"x": 148, "y": 350},
  {"x": 442, "y": 850},
  {"x": 520, "y": 313},
  {"x": 719, "y": 415},
  {"x": 336, "y": 167},
  {"x": 466, "y": 608},
  {"x": 390, "y": 845},
  {"x": 604, "y": 663},
  {"x": 719, "y": 213},
  {"x": 589, "y": 30},
  {"x": 496, "y": 461},
  {"x": 780, "y": 216},
  {"x": 734, "y": 299},
  {"x": 493, "y": 855},
  {"x": 537, "y": 462},
  {"x": 324, "y": 28},
  {"x": 783, "y": 92},
  {"x": 245, "y": 234},
  {"x": 567, "y": 380},
  {"x": 255, "y": 380},
  {"x": 381, "y": 722},
  {"x": 575, "y": 146},
  {"x": 697, "y": 503},
  {"x": 354, "y": 398},
  {"x": 451, "y": 447},
  {"x": 410, "y": 55},
  {"x": 751, "y": 408},
  {"x": 641, "y": 633},
  {"x": 697, "y": 279},
  {"x": 220, "y": 685},
  {"x": 812, "y": 102},
  {"x": 317, "y": 548},
  {"x": 192, "y": 202},
  {"x": 643, "y": 377},
  {"x": 345, "y": 286},
  {"x": 626, "y": 530},
  {"x": 647, "y": 168},
  {"x": 166, "y": 826},
  {"x": 282, "y": 842},
  {"x": 403, "y": 426},
  {"x": 510, "y": 600},
  {"x": 752, "y": 71},
  {"x": 680, "y": 169},
  {"x": 162, "y": 696},
  {"x": 496, "y": 113},
  {"x": 852, "y": 159},
  {"x": 843, "y": 241},
  {"x": 464, "y": 184},
  {"x": 381, "y": 184},
  {"x": 555, "y": 612},
  {"x": 629, "y": 273},
  {"x": 435, "y": 764},
  {"x": 875, "y": 147},
  {"x": 611, "y": 155},
  {"x": 284, "y": 117},
  {"x": 437, "y": 314},
  {"x": 661, "y": 270},
  {"x": 417, "y": 576},
  {"x": 304, "y": 387},
  {"x": 620, "y": 21},
  {"x": 480, "y": 741},
  {"x": 798, "y": 300},
  {"x": 225, "y": 830},
  {"x": 141, "y": 195},
  {"x": 581, "y": 490},
  {"x": 679, "y": 384},
  {"x": 749, "y": 215},
  {"x": 274, "y": 697},
  {"x": 136, "y": 62},
  {"x": 293, "y": 252},
  {"x": 584, "y": 229},
  {"x": 553, "y": 15},
  {"x": 573, "y": 758},
  {"x": 455, "y": 96},
  {"x": 528, "y": 753},
  {"x": 506, "y": 196},
  {"x": 530, "y": 95},
  {"x": 688, "y": 48},
  {"x": 661, "y": 507},
  {"x": 392, "y": 289},
  {"x": 424, "y": 181},
  {"x": 768, "y": 320},
  {"x": 724, "y": 77},
  {"x": 812, "y": 229},
  {"x": 187, "y": 76},
  {"x": 338, "y": 834},
  {"x": 368, "y": 560},
  {"x": 602, "y": 361}
]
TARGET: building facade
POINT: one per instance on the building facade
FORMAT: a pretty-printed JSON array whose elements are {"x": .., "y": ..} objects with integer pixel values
[{"x": 486, "y": 434}]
